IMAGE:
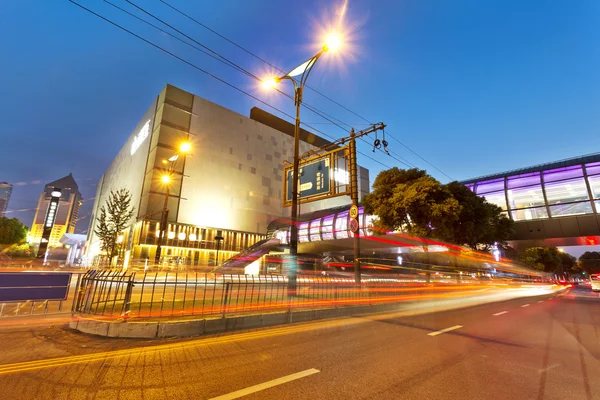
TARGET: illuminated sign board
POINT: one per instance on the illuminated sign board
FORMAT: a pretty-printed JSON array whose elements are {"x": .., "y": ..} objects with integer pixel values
[
  {"x": 140, "y": 137},
  {"x": 320, "y": 177},
  {"x": 314, "y": 179}
]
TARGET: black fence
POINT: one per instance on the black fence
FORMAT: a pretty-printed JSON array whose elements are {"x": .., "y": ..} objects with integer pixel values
[{"x": 150, "y": 295}]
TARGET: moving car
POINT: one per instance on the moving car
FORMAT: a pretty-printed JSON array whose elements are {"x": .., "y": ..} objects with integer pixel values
[{"x": 595, "y": 279}]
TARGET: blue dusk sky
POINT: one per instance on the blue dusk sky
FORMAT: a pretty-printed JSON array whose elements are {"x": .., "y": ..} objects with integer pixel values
[{"x": 474, "y": 87}]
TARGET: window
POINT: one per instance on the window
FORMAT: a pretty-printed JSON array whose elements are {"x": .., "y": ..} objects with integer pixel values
[
  {"x": 560, "y": 174},
  {"x": 341, "y": 225},
  {"x": 529, "y": 213},
  {"x": 526, "y": 197},
  {"x": 595, "y": 186},
  {"x": 584, "y": 207},
  {"x": 369, "y": 225},
  {"x": 523, "y": 180},
  {"x": 315, "y": 230},
  {"x": 593, "y": 168},
  {"x": 566, "y": 191},
  {"x": 489, "y": 186},
  {"x": 497, "y": 198},
  {"x": 327, "y": 228},
  {"x": 303, "y": 232}
]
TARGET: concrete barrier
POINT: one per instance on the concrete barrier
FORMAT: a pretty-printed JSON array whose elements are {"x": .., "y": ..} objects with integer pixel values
[{"x": 186, "y": 328}]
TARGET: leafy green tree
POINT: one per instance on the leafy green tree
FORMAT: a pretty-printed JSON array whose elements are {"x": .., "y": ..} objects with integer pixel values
[
  {"x": 549, "y": 259},
  {"x": 590, "y": 262},
  {"x": 414, "y": 202},
  {"x": 12, "y": 231},
  {"x": 480, "y": 224},
  {"x": 568, "y": 263},
  {"x": 115, "y": 216}
]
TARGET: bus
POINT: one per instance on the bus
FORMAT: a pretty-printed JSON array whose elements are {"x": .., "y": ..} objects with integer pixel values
[{"x": 595, "y": 279}]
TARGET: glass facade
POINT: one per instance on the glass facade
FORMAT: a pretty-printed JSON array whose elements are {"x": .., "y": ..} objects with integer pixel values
[
  {"x": 334, "y": 226},
  {"x": 553, "y": 192}
]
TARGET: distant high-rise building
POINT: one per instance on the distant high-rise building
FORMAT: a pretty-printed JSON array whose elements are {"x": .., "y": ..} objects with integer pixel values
[
  {"x": 5, "y": 192},
  {"x": 56, "y": 213}
]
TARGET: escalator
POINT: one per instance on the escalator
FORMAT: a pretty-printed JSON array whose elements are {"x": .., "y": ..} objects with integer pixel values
[{"x": 238, "y": 262}]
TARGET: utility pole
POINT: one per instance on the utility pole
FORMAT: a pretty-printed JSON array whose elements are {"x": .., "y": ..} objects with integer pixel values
[
  {"x": 354, "y": 224},
  {"x": 354, "y": 197}
]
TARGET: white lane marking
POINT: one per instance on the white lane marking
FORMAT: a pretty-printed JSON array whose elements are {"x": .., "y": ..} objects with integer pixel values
[
  {"x": 540, "y": 301},
  {"x": 500, "y": 313},
  {"x": 444, "y": 330},
  {"x": 266, "y": 385},
  {"x": 525, "y": 305},
  {"x": 549, "y": 368}
]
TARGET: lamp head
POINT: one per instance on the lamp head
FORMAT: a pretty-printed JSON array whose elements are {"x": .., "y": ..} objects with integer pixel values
[{"x": 166, "y": 179}]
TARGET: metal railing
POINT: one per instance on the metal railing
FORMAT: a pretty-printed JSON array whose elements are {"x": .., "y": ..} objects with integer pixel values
[
  {"x": 32, "y": 308},
  {"x": 154, "y": 295}
]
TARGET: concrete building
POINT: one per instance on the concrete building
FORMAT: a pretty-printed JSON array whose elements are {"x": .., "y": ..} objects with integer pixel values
[
  {"x": 57, "y": 212},
  {"x": 222, "y": 196},
  {"x": 5, "y": 192}
]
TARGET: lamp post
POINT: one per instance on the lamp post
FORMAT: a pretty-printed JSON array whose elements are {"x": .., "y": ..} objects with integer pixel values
[
  {"x": 298, "y": 76},
  {"x": 166, "y": 179}
]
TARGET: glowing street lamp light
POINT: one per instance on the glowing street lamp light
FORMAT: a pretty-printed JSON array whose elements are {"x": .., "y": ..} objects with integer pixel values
[
  {"x": 166, "y": 179},
  {"x": 333, "y": 42},
  {"x": 185, "y": 147},
  {"x": 298, "y": 76}
]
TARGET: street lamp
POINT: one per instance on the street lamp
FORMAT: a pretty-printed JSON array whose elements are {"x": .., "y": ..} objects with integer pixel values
[
  {"x": 166, "y": 179},
  {"x": 298, "y": 76}
]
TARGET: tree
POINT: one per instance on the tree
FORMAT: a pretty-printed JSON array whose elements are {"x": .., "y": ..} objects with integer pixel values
[
  {"x": 414, "y": 202},
  {"x": 115, "y": 216},
  {"x": 480, "y": 224},
  {"x": 590, "y": 262},
  {"x": 549, "y": 259},
  {"x": 12, "y": 231},
  {"x": 568, "y": 263}
]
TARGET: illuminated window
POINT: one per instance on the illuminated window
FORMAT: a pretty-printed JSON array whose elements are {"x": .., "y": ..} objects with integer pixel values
[
  {"x": 566, "y": 191},
  {"x": 584, "y": 207},
  {"x": 315, "y": 227},
  {"x": 341, "y": 225},
  {"x": 327, "y": 228},
  {"x": 497, "y": 198},
  {"x": 560, "y": 174},
  {"x": 526, "y": 197},
  {"x": 489, "y": 186},
  {"x": 303, "y": 232},
  {"x": 593, "y": 168},
  {"x": 529, "y": 213},
  {"x": 369, "y": 224},
  {"x": 523, "y": 180},
  {"x": 595, "y": 185}
]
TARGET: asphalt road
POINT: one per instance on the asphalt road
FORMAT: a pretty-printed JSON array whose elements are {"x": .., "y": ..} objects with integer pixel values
[{"x": 545, "y": 347}]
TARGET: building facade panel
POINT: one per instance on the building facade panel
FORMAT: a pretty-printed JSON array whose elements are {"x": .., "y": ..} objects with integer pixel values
[{"x": 221, "y": 196}]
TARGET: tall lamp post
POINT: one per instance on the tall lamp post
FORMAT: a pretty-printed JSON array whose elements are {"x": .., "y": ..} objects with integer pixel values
[
  {"x": 298, "y": 76},
  {"x": 167, "y": 179}
]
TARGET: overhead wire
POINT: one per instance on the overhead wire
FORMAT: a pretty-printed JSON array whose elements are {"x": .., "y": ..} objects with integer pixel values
[
  {"x": 208, "y": 73},
  {"x": 236, "y": 66},
  {"x": 315, "y": 90}
]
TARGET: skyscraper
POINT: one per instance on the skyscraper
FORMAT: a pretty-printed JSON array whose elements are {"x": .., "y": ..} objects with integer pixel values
[
  {"x": 56, "y": 214},
  {"x": 5, "y": 192}
]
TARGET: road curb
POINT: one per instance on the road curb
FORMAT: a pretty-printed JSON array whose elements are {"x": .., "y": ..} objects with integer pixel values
[
  {"x": 164, "y": 329},
  {"x": 195, "y": 327}
]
